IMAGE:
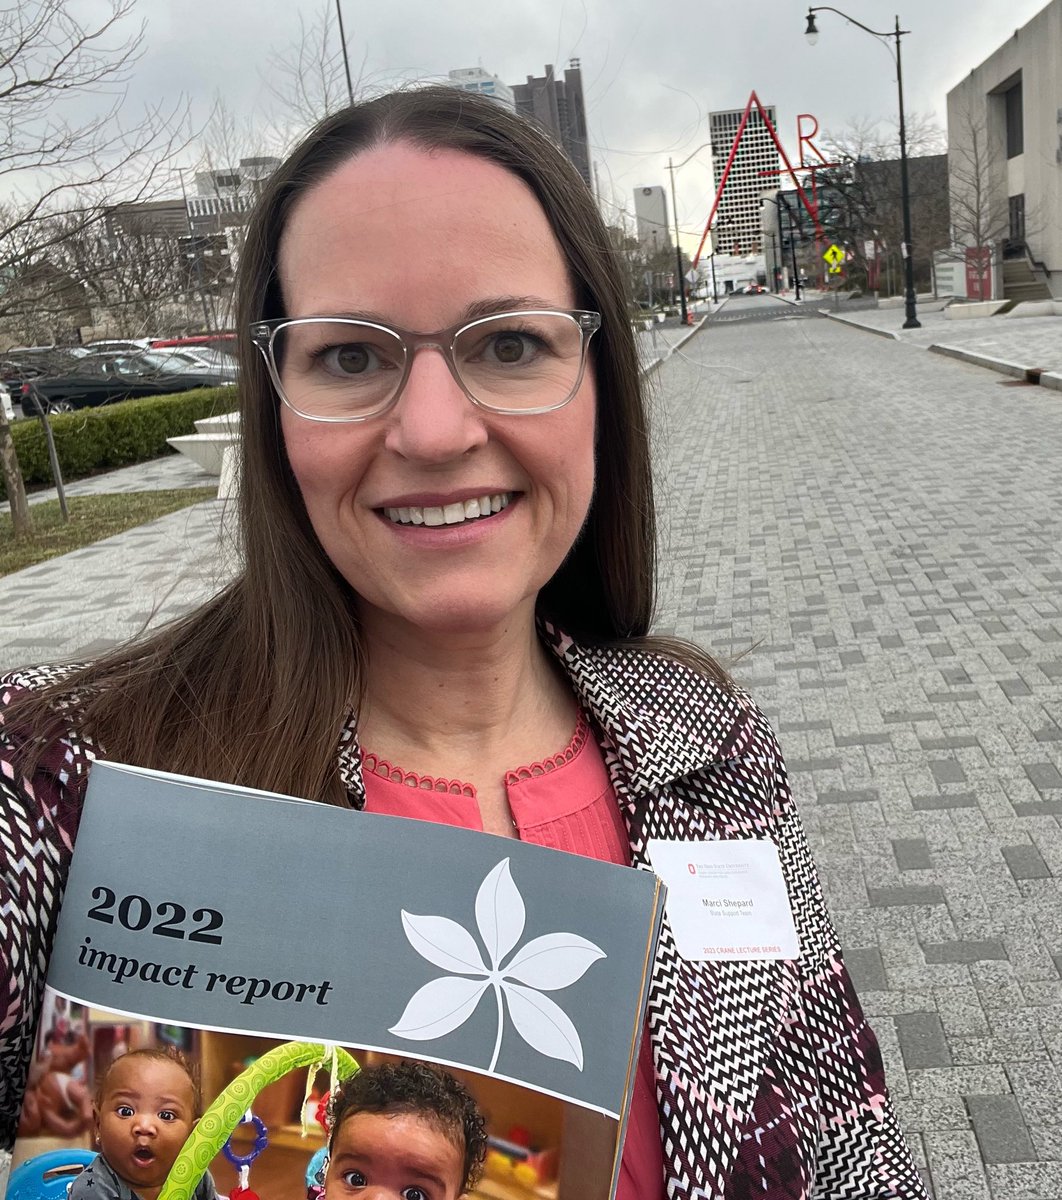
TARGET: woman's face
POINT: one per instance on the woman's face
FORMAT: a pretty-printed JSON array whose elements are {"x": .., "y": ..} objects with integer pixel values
[{"x": 422, "y": 240}]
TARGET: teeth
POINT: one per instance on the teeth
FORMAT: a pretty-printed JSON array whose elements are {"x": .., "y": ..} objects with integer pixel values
[{"x": 450, "y": 514}]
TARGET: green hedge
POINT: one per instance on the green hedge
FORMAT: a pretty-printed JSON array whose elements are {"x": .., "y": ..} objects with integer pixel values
[{"x": 114, "y": 435}]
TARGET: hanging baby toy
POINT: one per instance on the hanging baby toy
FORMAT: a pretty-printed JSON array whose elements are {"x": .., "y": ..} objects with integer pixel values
[
  {"x": 242, "y": 1162},
  {"x": 232, "y": 1107}
]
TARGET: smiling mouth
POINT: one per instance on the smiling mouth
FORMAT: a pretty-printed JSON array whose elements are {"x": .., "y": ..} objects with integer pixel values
[{"x": 451, "y": 514}]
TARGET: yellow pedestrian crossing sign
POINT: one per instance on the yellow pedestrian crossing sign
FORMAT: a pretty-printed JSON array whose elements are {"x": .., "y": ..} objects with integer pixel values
[{"x": 834, "y": 255}]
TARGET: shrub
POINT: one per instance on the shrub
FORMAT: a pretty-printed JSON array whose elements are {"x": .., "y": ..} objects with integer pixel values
[{"x": 114, "y": 435}]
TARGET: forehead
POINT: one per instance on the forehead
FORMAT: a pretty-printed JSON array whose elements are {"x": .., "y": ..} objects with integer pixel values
[
  {"x": 421, "y": 1138},
  {"x": 146, "y": 1076},
  {"x": 396, "y": 229}
]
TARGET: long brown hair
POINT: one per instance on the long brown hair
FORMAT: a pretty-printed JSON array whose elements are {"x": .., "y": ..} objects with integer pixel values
[{"x": 255, "y": 685}]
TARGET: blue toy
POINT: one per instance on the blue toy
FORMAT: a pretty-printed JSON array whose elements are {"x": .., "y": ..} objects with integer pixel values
[{"x": 47, "y": 1176}]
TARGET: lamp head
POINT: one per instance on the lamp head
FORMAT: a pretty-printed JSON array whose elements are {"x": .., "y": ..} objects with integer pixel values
[{"x": 812, "y": 32}]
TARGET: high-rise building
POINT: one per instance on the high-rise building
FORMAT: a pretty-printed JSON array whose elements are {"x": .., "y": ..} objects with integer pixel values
[
  {"x": 557, "y": 104},
  {"x": 475, "y": 79},
  {"x": 650, "y": 213},
  {"x": 737, "y": 220}
]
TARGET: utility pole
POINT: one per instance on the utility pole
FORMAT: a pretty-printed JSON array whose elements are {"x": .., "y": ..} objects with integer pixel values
[
  {"x": 792, "y": 243},
  {"x": 683, "y": 314}
]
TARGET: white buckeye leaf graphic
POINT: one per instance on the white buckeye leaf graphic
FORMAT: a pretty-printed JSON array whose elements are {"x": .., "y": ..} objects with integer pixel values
[
  {"x": 544, "y": 1025},
  {"x": 545, "y": 964},
  {"x": 439, "y": 1008},
  {"x": 443, "y": 943},
  {"x": 499, "y": 912}
]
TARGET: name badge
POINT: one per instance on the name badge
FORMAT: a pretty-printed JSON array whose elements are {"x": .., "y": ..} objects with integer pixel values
[{"x": 726, "y": 900}]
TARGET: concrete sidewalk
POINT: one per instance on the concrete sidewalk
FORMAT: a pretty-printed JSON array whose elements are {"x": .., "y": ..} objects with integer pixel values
[
  {"x": 1010, "y": 345},
  {"x": 82, "y": 603}
]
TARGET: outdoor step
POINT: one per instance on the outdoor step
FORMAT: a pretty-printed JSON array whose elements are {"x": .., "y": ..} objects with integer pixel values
[
  {"x": 222, "y": 423},
  {"x": 206, "y": 449},
  {"x": 1026, "y": 291}
]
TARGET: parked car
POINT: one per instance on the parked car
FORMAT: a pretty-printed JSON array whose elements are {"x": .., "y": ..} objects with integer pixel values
[
  {"x": 104, "y": 378},
  {"x": 26, "y": 362},
  {"x": 119, "y": 345},
  {"x": 32, "y": 363},
  {"x": 204, "y": 356},
  {"x": 172, "y": 361}
]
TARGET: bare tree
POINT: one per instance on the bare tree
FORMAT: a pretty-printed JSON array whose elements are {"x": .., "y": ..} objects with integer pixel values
[
  {"x": 877, "y": 141},
  {"x": 308, "y": 78},
  {"x": 861, "y": 197},
  {"x": 979, "y": 216},
  {"x": 68, "y": 149},
  {"x": 138, "y": 275}
]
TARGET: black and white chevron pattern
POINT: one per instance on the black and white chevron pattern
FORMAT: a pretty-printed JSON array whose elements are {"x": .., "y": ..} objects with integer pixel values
[{"x": 769, "y": 1081}]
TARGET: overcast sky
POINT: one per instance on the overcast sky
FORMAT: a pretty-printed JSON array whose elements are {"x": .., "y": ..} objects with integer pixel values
[{"x": 651, "y": 72}]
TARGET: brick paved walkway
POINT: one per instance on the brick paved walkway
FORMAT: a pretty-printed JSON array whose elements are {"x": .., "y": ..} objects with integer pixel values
[{"x": 880, "y": 530}]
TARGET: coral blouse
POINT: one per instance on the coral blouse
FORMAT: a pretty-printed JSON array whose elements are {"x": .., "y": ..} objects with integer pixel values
[{"x": 566, "y": 803}]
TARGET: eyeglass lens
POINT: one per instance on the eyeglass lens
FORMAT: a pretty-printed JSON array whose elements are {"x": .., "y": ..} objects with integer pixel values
[{"x": 512, "y": 362}]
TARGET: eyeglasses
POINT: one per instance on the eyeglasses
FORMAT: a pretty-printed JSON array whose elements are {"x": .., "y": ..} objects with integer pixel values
[{"x": 340, "y": 369}]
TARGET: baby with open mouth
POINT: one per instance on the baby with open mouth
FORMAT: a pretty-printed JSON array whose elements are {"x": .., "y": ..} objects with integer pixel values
[{"x": 146, "y": 1105}]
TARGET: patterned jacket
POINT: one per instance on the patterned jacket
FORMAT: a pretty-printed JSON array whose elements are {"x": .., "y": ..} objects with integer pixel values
[{"x": 769, "y": 1080}]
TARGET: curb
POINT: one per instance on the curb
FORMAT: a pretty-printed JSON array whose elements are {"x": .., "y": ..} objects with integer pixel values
[
  {"x": 658, "y": 362},
  {"x": 1052, "y": 380},
  {"x": 854, "y": 324},
  {"x": 1014, "y": 370}
]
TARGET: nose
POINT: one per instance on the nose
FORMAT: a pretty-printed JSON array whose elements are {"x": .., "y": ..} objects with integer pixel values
[
  {"x": 144, "y": 1124},
  {"x": 433, "y": 420}
]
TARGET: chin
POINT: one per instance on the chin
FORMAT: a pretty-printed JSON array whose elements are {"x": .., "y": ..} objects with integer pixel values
[{"x": 459, "y": 616}]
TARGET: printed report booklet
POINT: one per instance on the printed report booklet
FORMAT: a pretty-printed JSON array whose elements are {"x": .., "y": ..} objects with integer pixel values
[{"x": 277, "y": 943}]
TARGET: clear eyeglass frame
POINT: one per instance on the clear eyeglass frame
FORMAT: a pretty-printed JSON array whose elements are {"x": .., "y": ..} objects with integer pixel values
[{"x": 264, "y": 335}]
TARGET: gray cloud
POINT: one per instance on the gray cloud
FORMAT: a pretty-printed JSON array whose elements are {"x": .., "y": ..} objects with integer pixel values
[{"x": 651, "y": 74}]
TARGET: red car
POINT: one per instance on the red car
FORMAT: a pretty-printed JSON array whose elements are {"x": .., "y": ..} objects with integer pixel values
[{"x": 222, "y": 341}]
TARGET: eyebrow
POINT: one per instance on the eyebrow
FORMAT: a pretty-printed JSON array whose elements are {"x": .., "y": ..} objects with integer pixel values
[
  {"x": 167, "y": 1101},
  {"x": 478, "y": 308}
]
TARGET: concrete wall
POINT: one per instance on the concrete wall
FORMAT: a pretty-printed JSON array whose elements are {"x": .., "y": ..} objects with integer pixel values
[{"x": 976, "y": 109}]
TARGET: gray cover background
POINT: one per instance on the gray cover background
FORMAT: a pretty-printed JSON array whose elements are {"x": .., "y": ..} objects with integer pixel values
[{"x": 311, "y": 892}]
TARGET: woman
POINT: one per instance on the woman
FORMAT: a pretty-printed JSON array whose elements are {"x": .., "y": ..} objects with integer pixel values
[{"x": 448, "y": 539}]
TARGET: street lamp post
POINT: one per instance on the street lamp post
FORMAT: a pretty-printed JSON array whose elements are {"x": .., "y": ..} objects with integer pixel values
[{"x": 812, "y": 34}]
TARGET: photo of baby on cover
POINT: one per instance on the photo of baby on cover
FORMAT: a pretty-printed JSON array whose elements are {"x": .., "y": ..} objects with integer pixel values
[{"x": 115, "y": 1111}]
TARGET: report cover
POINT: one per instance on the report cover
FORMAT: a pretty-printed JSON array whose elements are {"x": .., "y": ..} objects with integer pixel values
[{"x": 280, "y": 944}]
